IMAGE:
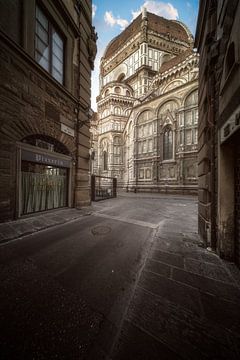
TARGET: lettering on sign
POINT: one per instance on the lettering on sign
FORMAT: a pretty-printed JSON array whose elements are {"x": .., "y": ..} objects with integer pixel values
[
  {"x": 67, "y": 130},
  {"x": 45, "y": 159},
  {"x": 227, "y": 130},
  {"x": 231, "y": 125}
]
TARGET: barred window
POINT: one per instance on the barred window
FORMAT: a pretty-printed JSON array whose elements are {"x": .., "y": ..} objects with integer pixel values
[
  {"x": 49, "y": 46},
  {"x": 167, "y": 144}
]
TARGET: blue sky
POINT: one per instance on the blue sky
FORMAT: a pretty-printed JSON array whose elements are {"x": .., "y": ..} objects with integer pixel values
[{"x": 110, "y": 17}]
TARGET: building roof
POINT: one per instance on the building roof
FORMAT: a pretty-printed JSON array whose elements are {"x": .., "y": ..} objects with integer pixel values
[
  {"x": 175, "y": 61},
  {"x": 157, "y": 24}
]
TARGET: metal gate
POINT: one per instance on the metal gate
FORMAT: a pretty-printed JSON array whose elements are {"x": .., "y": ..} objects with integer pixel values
[
  {"x": 103, "y": 187},
  {"x": 237, "y": 206}
]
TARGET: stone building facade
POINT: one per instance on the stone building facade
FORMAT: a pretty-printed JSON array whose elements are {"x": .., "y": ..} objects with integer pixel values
[
  {"x": 218, "y": 42},
  {"x": 146, "y": 131},
  {"x": 47, "y": 49}
]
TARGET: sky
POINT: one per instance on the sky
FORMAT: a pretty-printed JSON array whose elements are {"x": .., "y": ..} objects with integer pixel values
[{"x": 111, "y": 17}]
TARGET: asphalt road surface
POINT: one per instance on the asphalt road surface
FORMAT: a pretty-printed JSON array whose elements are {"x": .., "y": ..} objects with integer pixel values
[{"x": 64, "y": 291}]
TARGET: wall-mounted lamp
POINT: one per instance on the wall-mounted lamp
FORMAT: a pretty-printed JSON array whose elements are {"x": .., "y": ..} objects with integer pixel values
[
  {"x": 89, "y": 112},
  {"x": 92, "y": 153}
]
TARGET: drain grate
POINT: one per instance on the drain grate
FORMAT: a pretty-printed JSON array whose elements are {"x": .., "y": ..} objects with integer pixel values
[{"x": 100, "y": 230}]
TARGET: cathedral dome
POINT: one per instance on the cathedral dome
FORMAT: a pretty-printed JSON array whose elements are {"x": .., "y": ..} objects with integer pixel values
[{"x": 174, "y": 29}]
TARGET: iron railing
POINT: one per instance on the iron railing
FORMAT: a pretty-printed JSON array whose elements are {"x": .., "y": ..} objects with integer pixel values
[{"x": 103, "y": 187}]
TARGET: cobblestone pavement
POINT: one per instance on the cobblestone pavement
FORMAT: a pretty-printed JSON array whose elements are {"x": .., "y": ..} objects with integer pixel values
[{"x": 186, "y": 301}]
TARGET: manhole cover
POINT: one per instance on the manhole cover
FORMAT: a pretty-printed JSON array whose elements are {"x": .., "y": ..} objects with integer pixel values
[{"x": 100, "y": 230}]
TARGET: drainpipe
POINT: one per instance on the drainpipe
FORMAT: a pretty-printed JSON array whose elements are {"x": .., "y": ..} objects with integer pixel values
[
  {"x": 77, "y": 111},
  {"x": 211, "y": 230}
]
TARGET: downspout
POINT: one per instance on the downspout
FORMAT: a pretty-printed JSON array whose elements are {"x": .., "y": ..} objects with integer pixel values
[
  {"x": 77, "y": 113},
  {"x": 212, "y": 94},
  {"x": 213, "y": 166}
]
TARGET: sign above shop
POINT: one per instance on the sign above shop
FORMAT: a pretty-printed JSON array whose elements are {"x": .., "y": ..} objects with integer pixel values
[
  {"x": 231, "y": 125},
  {"x": 67, "y": 130},
  {"x": 45, "y": 159}
]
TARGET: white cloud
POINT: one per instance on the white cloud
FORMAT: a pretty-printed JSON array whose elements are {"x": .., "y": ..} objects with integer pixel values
[
  {"x": 160, "y": 8},
  {"x": 111, "y": 20},
  {"x": 94, "y": 9}
]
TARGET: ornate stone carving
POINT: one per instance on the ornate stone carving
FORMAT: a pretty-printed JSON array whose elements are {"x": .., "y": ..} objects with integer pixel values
[{"x": 92, "y": 47}]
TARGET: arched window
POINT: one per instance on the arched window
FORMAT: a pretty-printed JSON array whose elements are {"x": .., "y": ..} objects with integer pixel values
[
  {"x": 117, "y": 110},
  {"x": 127, "y": 93},
  {"x": 107, "y": 92},
  {"x": 145, "y": 116},
  {"x": 167, "y": 143},
  {"x": 169, "y": 106},
  {"x": 105, "y": 160},
  {"x": 117, "y": 152},
  {"x": 121, "y": 77},
  {"x": 105, "y": 113},
  {"x": 192, "y": 99}
]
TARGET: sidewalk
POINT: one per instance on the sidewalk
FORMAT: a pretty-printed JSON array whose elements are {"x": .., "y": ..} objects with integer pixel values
[
  {"x": 40, "y": 221},
  {"x": 185, "y": 304}
]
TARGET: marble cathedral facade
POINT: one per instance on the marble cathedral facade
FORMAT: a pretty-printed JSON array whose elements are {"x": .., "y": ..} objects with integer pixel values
[{"x": 145, "y": 129}]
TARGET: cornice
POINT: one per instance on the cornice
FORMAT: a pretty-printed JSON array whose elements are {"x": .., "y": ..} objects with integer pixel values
[
  {"x": 124, "y": 100},
  {"x": 186, "y": 63}
]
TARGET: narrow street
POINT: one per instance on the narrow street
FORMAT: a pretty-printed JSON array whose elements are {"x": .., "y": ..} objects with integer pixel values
[{"x": 119, "y": 284}]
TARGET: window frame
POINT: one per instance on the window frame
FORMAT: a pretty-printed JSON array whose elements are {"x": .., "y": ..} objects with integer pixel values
[
  {"x": 52, "y": 27},
  {"x": 105, "y": 160},
  {"x": 167, "y": 155}
]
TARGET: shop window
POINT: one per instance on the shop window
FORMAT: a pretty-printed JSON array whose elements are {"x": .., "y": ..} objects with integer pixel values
[
  {"x": 167, "y": 144},
  {"x": 44, "y": 175},
  {"x": 49, "y": 46},
  {"x": 43, "y": 187}
]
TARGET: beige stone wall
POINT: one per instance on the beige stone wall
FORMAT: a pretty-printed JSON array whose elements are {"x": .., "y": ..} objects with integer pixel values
[
  {"x": 206, "y": 130},
  {"x": 218, "y": 44},
  {"x": 32, "y": 102}
]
